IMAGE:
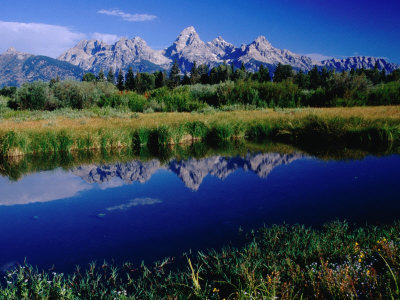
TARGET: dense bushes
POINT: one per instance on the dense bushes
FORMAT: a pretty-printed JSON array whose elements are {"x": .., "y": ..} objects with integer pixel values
[
  {"x": 385, "y": 94},
  {"x": 339, "y": 89},
  {"x": 39, "y": 95}
]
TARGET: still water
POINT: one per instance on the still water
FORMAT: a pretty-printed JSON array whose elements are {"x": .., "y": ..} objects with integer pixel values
[{"x": 146, "y": 210}]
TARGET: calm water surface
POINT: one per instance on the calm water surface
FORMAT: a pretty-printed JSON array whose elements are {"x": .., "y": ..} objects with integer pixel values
[{"x": 147, "y": 210}]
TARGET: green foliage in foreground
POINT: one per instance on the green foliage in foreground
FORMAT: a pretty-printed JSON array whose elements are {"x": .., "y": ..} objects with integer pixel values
[{"x": 278, "y": 262}]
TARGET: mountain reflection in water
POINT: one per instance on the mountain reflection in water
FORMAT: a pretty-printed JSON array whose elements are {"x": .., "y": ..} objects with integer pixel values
[
  {"x": 137, "y": 209},
  {"x": 191, "y": 171}
]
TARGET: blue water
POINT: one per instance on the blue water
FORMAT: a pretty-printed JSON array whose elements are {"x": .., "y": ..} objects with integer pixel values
[{"x": 65, "y": 218}]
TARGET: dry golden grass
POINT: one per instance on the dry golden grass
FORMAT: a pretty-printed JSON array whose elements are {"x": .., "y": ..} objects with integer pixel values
[{"x": 157, "y": 119}]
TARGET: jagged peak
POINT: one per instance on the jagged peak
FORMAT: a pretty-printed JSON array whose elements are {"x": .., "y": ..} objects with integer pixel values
[
  {"x": 139, "y": 40},
  {"x": 189, "y": 33},
  {"x": 262, "y": 40},
  {"x": 122, "y": 39},
  {"x": 11, "y": 50},
  {"x": 219, "y": 40},
  {"x": 188, "y": 30}
]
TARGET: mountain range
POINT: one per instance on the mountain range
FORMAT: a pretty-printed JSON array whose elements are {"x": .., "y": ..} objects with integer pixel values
[
  {"x": 18, "y": 67},
  {"x": 192, "y": 171},
  {"x": 93, "y": 55}
]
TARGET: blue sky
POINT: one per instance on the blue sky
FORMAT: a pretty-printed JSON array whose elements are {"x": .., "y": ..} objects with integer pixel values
[{"x": 330, "y": 28}]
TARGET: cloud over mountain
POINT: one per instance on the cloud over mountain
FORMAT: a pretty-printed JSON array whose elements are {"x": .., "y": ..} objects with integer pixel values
[
  {"x": 37, "y": 38},
  {"x": 127, "y": 16}
]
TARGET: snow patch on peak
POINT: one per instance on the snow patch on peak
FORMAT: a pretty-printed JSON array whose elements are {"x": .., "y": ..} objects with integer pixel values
[
  {"x": 11, "y": 50},
  {"x": 262, "y": 41},
  {"x": 188, "y": 30}
]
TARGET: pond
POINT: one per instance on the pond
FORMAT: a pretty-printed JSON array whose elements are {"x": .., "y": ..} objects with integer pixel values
[{"x": 60, "y": 215}]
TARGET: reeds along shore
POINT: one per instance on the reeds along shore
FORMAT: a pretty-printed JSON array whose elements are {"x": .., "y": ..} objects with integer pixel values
[
  {"x": 277, "y": 262},
  {"x": 157, "y": 131}
]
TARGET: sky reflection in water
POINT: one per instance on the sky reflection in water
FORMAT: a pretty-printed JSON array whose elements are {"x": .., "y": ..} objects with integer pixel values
[{"x": 148, "y": 210}]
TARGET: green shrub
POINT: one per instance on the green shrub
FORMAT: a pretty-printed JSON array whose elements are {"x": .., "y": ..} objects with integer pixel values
[
  {"x": 385, "y": 94},
  {"x": 84, "y": 94},
  {"x": 197, "y": 129},
  {"x": 140, "y": 137},
  {"x": 34, "y": 96},
  {"x": 205, "y": 93},
  {"x": 220, "y": 133}
]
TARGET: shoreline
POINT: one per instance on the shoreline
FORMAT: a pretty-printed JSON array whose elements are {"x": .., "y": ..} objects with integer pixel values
[
  {"x": 285, "y": 261},
  {"x": 362, "y": 126}
]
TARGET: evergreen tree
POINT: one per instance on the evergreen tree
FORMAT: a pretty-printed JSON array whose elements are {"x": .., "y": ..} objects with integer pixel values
[
  {"x": 263, "y": 74},
  {"x": 160, "y": 79},
  {"x": 145, "y": 82},
  {"x": 138, "y": 84},
  {"x": 100, "y": 76},
  {"x": 214, "y": 78},
  {"x": 54, "y": 81},
  {"x": 325, "y": 75},
  {"x": 88, "y": 77},
  {"x": 186, "y": 80},
  {"x": 120, "y": 81},
  {"x": 383, "y": 75},
  {"x": 111, "y": 76},
  {"x": 174, "y": 77},
  {"x": 130, "y": 80},
  {"x": 315, "y": 78},
  {"x": 194, "y": 74},
  {"x": 203, "y": 72},
  {"x": 375, "y": 75},
  {"x": 302, "y": 80},
  {"x": 282, "y": 72}
]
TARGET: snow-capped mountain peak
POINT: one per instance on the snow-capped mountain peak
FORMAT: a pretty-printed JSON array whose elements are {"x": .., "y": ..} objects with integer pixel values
[
  {"x": 262, "y": 42},
  {"x": 189, "y": 48}
]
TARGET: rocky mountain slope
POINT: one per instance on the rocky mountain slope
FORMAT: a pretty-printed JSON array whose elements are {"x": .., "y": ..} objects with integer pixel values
[
  {"x": 91, "y": 56},
  {"x": 189, "y": 48},
  {"x": 191, "y": 171},
  {"x": 95, "y": 55},
  {"x": 358, "y": 62},
  {"x": 17, "y": 67}
]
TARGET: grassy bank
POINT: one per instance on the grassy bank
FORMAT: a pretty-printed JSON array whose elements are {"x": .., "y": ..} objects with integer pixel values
[
  {"x": 366, "y": 126},
  {"x": 278, "y": 262}
]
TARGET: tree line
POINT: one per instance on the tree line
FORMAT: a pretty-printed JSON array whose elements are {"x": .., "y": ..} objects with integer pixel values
[{"x": 223, "y": 85}]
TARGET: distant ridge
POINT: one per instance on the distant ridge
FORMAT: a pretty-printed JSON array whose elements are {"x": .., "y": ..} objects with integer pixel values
[
  {"x": 189, "y": 48},
  {"x": 18, "y": 67},
  {"x": 93, "y": 55}
]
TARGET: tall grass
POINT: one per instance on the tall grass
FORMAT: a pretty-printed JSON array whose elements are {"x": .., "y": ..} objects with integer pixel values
[{"x": 363, "y": 128}]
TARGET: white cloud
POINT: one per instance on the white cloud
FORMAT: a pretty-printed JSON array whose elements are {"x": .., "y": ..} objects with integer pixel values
[
  {"x": 126, "y": 16},
  {"x": 135, "y": 202},
  {"x": 41, "y": 187},
  {"x": 105, "y": 37},
  {"x": 37, "y": 38}
]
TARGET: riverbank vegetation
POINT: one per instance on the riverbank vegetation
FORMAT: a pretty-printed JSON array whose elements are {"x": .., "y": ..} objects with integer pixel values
[
  {"x": 223, "y": 86},
  {"x": 366, "y": 127},
  {"x": 338, "y": 261},
  {"x": 214, "y": 106}
]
